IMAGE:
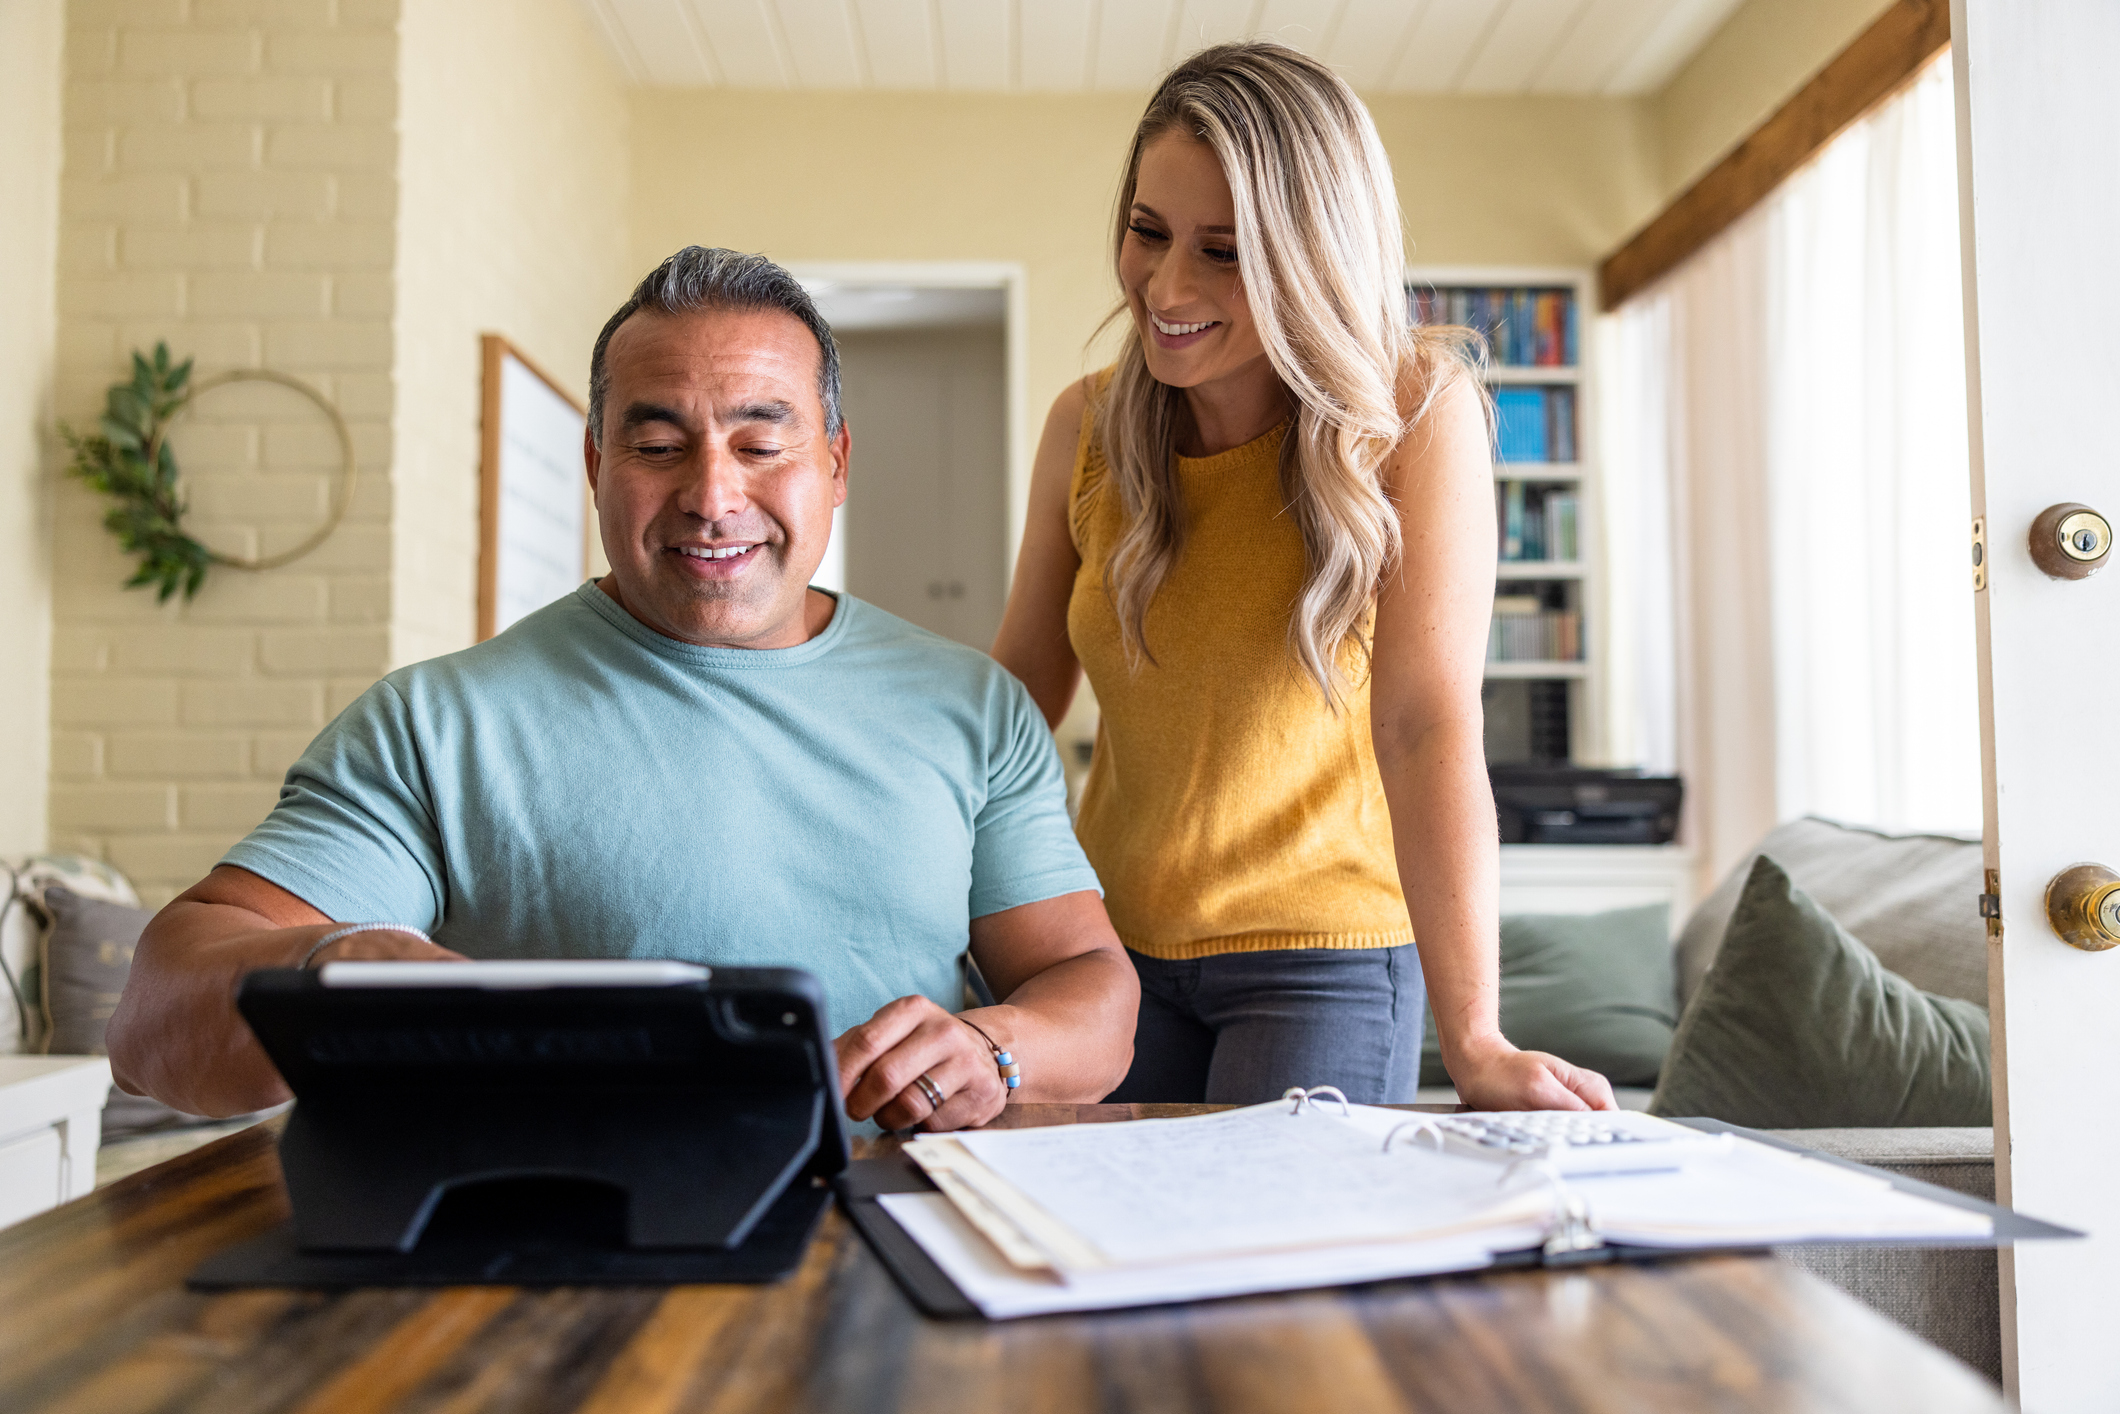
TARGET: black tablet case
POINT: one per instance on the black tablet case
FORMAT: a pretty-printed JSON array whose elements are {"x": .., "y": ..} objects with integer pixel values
[{"x": 552, "y": 1135}]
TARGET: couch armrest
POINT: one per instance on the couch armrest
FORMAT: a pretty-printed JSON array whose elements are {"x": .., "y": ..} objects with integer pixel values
[
  {"x": 1962, "y": 1160},
  {"x": 1949, "y": 1296}
]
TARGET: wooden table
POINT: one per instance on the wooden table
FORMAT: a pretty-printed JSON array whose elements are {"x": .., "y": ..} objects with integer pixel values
[{"x": 94, "y": 1319}]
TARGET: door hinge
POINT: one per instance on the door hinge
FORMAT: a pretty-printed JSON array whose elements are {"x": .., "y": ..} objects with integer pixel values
[
  {"x": 1991, "y": 903},
  {"x": 1979, "y": 553}
]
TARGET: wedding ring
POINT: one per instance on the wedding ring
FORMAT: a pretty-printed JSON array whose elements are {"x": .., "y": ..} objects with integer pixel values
[{"x": 931, "y": 1090}]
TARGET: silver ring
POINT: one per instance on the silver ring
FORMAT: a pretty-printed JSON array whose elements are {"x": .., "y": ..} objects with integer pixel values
[{"x": 929, "y": 1089}]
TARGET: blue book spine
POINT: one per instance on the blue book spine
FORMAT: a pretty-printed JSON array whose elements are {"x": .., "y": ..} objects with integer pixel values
[{"x": 1520, "y": 424}]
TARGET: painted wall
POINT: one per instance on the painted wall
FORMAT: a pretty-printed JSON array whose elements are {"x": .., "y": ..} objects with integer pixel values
[
  {"x": 512, "y": 220},
  {"x": 926, "y": 516},
  {"x": 230, "y": 186},
  {"x": 1762, "y": 54},
  {"x": 32, "y": 35},
  {"x": 329, "y": 190},
  {"x": 1031, "y": 179}
]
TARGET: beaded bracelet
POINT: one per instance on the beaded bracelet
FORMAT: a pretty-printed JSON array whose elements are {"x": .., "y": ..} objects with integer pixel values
[
  {"x": 350, "y": 929},
  {"x": 1011, "y": 1073}
]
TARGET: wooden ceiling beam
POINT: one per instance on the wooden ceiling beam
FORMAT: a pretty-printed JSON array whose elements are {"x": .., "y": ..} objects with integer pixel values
[{"x": 1881, "y": 61}]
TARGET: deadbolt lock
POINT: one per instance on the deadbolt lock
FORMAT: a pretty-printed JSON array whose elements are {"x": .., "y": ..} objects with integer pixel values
[
  {"x": 2083, "y": 904},
  {"x": 2071, "y": 541}
]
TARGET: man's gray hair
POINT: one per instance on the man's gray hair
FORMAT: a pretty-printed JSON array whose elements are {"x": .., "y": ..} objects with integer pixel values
[{"x": 697, "y": 278}]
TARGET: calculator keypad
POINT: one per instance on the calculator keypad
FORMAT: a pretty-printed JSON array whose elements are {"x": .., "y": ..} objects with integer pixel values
[{"x": 1535, "y": 1133}]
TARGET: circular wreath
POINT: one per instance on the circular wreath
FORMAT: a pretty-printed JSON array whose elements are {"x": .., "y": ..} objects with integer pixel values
[{"x": 130, "y": 461}]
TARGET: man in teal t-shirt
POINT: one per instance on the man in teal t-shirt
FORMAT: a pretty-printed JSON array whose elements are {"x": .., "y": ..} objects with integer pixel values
[{"x": 697, "y": 756}]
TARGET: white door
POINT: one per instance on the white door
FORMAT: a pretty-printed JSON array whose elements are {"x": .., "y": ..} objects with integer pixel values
[
  {"x": 2039, "y": 158},
  {"x": 927, "y": 489}
]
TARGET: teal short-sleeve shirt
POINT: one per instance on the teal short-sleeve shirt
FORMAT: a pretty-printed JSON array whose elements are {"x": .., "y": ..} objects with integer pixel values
[{"x": 581, "y": 786}]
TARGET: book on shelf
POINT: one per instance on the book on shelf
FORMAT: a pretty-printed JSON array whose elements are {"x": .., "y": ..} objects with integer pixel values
[
  {"x": 1536, "y": 524},
  {"x": 1525, "y": 326},
  {"x": 1534, "y": 423},
  {"x": 1524, "y": 632}
]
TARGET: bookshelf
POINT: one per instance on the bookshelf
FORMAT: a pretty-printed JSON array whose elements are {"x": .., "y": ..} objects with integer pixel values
[{"x": 1544, "y": 665}]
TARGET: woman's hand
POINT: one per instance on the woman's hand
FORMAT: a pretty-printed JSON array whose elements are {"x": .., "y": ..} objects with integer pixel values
[
  {"x": 881, "y": 1059},
  {"x": 1498, "y": 1076}
]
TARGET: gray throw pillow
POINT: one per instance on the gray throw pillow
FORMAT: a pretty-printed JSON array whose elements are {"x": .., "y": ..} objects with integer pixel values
[
  {"x": 87, "y": 956},
  {"x": 1592, "y": 988},
  {"x": 1798, "y": 1026},
  {"x": 1912, "y": 899}
]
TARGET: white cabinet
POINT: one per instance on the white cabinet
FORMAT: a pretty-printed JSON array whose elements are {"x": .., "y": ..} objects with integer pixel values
[
  {"x": 51, "y": 1123},
  {"x": 1591, "y": 878}
]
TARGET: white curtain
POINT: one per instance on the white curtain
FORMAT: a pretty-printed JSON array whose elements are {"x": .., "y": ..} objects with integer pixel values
[{"x": 1788, "y": 532}]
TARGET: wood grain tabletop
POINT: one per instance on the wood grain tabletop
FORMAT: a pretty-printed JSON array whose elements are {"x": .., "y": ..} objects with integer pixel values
[{"x": 94, "y": 1319}]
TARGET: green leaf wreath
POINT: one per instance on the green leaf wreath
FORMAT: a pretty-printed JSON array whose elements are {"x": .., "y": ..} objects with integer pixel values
[{"x": 130, "y": 461}]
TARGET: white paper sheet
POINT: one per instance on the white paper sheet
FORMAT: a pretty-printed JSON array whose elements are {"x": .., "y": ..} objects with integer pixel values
[
  {"x": 1757, "y": 1195},
  {"x": 1249, "y": 1180},
  {"x": 1264, "y": 1179},
  {"x": 1001, "y": 1292}
]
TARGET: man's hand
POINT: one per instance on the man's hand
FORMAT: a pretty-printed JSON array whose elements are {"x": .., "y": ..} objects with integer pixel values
[
  {"x": 880, "y": 1059},
  {"x": 175, "y": 1034},
  {"x": 1498, "y": 1076}
]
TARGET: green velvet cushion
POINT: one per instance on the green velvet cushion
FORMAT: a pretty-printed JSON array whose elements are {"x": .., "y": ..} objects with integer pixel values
[
  {"x": 1798, "y": 1026},
  {"x": 1596, "y": 989}
]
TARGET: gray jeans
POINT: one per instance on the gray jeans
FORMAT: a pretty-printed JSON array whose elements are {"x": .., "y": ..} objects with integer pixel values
[{"x": 1240, "y": 1028}]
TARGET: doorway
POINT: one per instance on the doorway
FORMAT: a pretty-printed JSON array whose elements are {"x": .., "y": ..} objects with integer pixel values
[{"x": 928, "y": 527}]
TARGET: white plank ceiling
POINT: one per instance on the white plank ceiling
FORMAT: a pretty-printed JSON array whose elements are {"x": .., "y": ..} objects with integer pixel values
[{"x": 1075, "y": 46}]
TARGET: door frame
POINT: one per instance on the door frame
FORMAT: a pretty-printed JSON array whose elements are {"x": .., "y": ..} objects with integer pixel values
[{"x": 1006, "y": 276}]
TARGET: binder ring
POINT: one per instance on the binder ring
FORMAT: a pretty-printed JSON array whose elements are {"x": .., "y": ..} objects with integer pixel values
[
  {"x": 1572, "y": 1235},
  {"x": 1298, "y": 1097},
  {"x": 1419, "y": 1127}
]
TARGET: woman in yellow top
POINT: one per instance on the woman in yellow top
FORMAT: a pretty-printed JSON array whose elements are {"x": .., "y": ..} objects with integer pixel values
[{"x": 1267, "y": 534}]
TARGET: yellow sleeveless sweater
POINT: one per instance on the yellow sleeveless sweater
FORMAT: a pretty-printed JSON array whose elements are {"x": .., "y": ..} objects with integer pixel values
[{"x": 1227, "y": 808}]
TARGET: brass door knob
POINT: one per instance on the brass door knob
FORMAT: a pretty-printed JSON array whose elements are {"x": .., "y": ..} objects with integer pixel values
[
  {"x": 2083, "y": 904},
  {"x": 2071, "y": 541}
]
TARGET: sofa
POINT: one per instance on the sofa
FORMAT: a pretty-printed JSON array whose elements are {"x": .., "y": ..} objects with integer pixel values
[{"x": 1911, "y": 901}]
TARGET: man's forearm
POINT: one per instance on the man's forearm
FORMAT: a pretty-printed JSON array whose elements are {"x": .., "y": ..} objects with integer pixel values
[
  {"x": 176, "y": 1034},
  {"x": 1071, "y": 1027}
]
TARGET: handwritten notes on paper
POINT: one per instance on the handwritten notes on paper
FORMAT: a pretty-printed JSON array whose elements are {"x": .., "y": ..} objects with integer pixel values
[{"x": 1249, "y": 1180}]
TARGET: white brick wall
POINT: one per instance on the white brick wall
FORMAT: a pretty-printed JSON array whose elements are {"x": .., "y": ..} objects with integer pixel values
[
  {"x": 514, "y": 222},
  {"x": 327, "y": 188},
  {"x": 230, "y": 185}
]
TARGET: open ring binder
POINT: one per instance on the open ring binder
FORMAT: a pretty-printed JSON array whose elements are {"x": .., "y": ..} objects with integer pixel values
[{"x": 1013, "y": 1223}]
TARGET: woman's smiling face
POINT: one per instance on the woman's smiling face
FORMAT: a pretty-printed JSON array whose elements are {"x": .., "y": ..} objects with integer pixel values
[{"x": 1178, "y": 266}]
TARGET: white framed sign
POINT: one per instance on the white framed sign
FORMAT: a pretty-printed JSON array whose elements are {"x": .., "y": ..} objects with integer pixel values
[{"x": 537, "y": 524}]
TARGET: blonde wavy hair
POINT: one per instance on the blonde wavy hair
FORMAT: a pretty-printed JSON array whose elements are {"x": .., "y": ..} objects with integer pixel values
[{"x": 1321, "y": 252}]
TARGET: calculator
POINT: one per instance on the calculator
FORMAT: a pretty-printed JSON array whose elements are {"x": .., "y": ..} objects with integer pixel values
[{"x": 1576, "y": 1142}]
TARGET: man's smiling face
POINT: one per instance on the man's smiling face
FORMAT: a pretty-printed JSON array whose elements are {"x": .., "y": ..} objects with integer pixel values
[{"x": 715, "y": 483}]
